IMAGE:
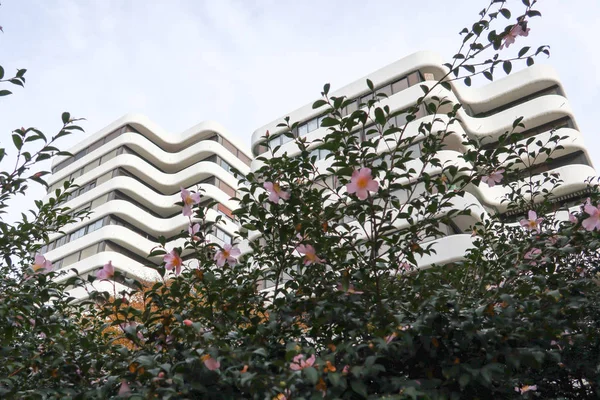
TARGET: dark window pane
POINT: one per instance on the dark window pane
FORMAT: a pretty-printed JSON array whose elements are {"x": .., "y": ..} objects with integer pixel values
[{"x": 400, "y": 85}]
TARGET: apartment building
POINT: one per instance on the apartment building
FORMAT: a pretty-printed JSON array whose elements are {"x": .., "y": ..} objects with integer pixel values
[
  {"x": 129, "y": 176},
  {"x": 534, "y": 93}
]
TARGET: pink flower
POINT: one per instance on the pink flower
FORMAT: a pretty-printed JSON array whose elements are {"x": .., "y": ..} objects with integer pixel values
[
  {"x": 404, "y": 267},
  {"x": 299, "y": 363},
  {"x": 361, "y": 183},
  {"x": 525, "y": 388},
  {"x": 351, "y": 289},
  {"x": 189, "y": 199},
  {"x": 187, "y": 322},
  {"x": 573, "y": 218},
  {"x": 227, "y": 254},
  {"x": 493, "y": 178},
  {"x": 173, "y": 260},
  {"x": 210, "y": 363},
  {"x": 193, "y": 229},
  {"x": 346, "y": 369},
  {"x": 41, "y": 264},
  {"x": 107, "y": 271},
  {"x": 593, "y": 221},
  {"x": 516, "y": 30},
  {"x": 390, "y": 338},
  {"x": 532, "y": 254},
  {"x": 275, "y": 192},
  {"x": 124, "y": 390},
  {"x": 310, "y": 256},
  {"x": 533, "y": 223}
]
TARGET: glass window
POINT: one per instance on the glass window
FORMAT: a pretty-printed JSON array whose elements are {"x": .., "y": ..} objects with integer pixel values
[
  {"x": 365, "y": 98},
  {"x": 91, "y": 165},
  {"x": 387, "y": 90},
  {"x": 112, "y": 136},
  {"x": 229, "y": 146},
  {"x": 52, "y": 246},
  {"x": 77, "y": 234},
  {"x": 275, "y": 142},
  {"x": 225, "y": 166},
  {"x": 223, "y": 236},
  {"x": 80, "y": 154},
  {"x": 320, "y": 120},
  {"x": 400, "y": 85},
  {"x": 302, "y": 129},
  {"x": 61, "y": 241},
  {"x": 108, "y": 156},
  {"x": 285, "y": 139},
  {"x": 57, "y": 264},
  {"x": 89, "y": 251},
  {"x": 415, "y": 150},
  {"x": 414, "y": 78},
  {"x": 227, "y": 189},
  {"x": 95, "y": 226},
  {"x": 350, "y": 108},
  {"x": 313, "y": 124},
  {"x": 95, "y": 145},
  {"x": 71, "y": 258},
  {"x": 401, "y": 119}
]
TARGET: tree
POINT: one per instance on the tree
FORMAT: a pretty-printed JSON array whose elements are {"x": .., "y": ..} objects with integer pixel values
[{"x": 348, "y": 315}]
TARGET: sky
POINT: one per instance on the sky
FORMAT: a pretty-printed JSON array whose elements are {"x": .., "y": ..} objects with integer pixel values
[{"x": 244, "y": 63}]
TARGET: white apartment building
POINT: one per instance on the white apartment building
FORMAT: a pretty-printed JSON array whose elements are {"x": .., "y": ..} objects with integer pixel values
[
  {"x": 130, "y": 174},
  {"x": 534, "y": 93}
]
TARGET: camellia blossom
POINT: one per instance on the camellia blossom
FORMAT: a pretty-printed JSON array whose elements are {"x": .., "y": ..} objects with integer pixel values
[
  {"x": 124, "y": 390},
  {"x": 310, "y": 255},
  {"x": 351, "y": 289},
  {"x": 41, "y": 264},
  {"x": 525, "y": 388},
  {"x": 362, "y": 183},
  {"x": 193, "y": 229},
  {"x": 187, "y": 322},
  {"x": 593, "y": 221},
  {"x": 533, "y": 223},
  {"x": 189, "y": 199},
  {"x": 533, "y": 253},
  {"x": 573, "y": 218},
  {"x": 493, "y": 178},
  {"x": 275, "y": 192},
  {"x": 210, "y": 363},
  {"x": 173, "y": 260},
  {"x": 107, "y": 271},
  {"x": 299, "y": 363},
  {"x": 227, "y": 254},
  {"x": 390, "y": 338},
  {"x": 516, "y": 31}
]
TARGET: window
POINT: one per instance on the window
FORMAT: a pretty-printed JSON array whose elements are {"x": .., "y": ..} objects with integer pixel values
[
  {"x": 387, "y": 90},
  {"x": 95, "y": 226},
  {"x": 61, "y": 241},
  {"x": 227, "y": 189},
  {"x": 313, "y": 124},
  {"x": 223, "y": 236},
  {"x": 400, "y": 85},
  {"x": 77, "y": 234},
  {"x": 321, "y": 154},
  {"x": 87, "y": 188},
  {"x": 350, "y": 108},
  {"x": 225, "y": 165}
]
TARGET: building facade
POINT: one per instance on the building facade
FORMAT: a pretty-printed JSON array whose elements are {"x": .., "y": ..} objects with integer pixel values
[
  {"x": 130, "y": 175},
  {"x": 534, "y": 93}
]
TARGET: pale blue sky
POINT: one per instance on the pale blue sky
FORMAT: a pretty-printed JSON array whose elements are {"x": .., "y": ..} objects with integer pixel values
[{"x": 244, "y": 63}]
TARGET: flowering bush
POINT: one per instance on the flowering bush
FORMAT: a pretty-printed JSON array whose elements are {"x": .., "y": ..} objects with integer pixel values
[{"x": 327, "y": 301}]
